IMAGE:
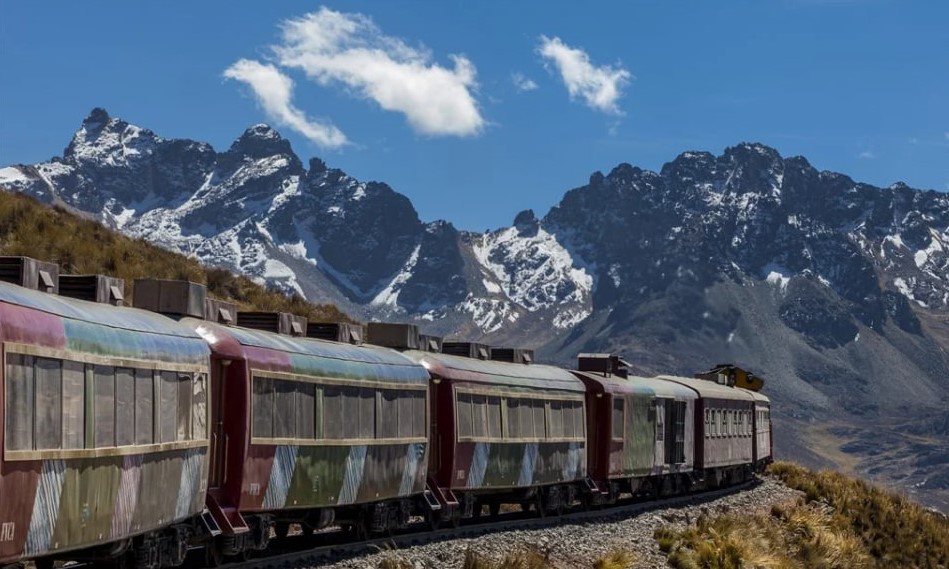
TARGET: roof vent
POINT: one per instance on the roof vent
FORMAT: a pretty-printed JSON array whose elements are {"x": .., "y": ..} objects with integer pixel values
[
  {"x": 398, "y": 336},
  {"x": 220, "y": 311},
  {"x": 428, "y": 343},
  {"x": 513, "y": 355},
  {"x": 345, "y": 332},
  {"x": 175, "y": 298},
  {"x": 467, "y": 349},
  {"x": 94, "y": 288},
  {"x": 277, "y": 322},
  {"x": 607, "y": 364},
  {"x": 30, "y": 273}
]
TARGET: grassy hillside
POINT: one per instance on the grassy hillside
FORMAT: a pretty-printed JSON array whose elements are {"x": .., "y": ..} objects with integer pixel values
[
  {"x": 82, "y": 246},
  {"x": 840, "y": 522}
]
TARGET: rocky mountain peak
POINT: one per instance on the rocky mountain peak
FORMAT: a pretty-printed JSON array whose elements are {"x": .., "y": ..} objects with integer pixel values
[
  {"x": 261, "y": 141},
  {"x": 96, "y": 119},
  {"x": 526, "y": 223}
]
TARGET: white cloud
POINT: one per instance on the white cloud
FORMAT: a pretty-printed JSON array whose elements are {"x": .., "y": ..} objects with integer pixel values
[
  {"x": 273, "y": 91},
  {"x": 600, "y": 87},
  {"x": 523, "y": 83},
  {"x": 349, "y": 49},
  {"x": 866, "y": 155}
]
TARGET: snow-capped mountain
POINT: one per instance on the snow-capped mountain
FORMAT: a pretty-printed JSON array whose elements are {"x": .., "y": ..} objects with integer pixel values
[{"x": 836, "y": 291}]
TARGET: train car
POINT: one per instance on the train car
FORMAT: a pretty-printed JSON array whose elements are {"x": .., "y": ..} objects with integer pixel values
[
  {"x": 724, "y": 433},
  {"x": 763, "y": 443},
  {"x": 504, "y": 433},
  {"x": 312, "y": 432},
  {"x": 104, "y": 429},
  {"x": 640, "y": 435}
]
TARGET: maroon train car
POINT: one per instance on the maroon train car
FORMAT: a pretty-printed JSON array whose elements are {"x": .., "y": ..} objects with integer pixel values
[
  {"x": 312, "y": 432},
  {"x": 504, "y": 433}
]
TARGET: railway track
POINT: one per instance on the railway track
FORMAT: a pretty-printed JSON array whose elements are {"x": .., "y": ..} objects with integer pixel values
[{"x": 321, "y": 548}]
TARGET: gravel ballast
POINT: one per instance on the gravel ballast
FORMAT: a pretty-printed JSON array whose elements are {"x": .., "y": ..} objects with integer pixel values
[{"x": 579, "y": 544}]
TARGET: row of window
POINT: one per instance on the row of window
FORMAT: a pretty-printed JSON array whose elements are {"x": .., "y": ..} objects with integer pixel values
[
  {"x": 288, "y": 409},
  {"x": 497, "y": 417},
  {"x": 54, "y": 404},
  {"x": 728, "y": 423}
]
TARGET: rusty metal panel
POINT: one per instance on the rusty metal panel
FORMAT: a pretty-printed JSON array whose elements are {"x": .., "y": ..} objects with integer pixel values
[
  {"x": 179, "y": 298},
  {"x": 30, "y": 273},
  {"x": 220, "y": 311},
  {"x": 397, "y": 336},
  {"x": 345, "y": 332},
  {"x": 93, "y": 288}
]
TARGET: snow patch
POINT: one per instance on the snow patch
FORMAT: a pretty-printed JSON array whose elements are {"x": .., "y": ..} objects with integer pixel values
[{"x": 389, "y": 296}]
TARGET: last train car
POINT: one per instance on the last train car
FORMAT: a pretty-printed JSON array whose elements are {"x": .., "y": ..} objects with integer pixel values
[
  {"x": 104, "y": 430},
  {"x": 312, "y": 432}
]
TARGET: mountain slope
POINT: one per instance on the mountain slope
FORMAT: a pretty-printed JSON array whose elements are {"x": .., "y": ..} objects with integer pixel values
[{"x": 836, "y": 291}]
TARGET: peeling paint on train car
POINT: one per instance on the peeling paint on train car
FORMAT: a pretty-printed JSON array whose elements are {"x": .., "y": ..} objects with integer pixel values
[{"x": 77, "y": 500}]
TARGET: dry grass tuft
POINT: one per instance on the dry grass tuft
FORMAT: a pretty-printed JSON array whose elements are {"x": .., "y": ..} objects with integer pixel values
[
  {"x": 526, "y": 559},
  {"x": 82, "y": 246},
  {"x": 841, "y": 523}
]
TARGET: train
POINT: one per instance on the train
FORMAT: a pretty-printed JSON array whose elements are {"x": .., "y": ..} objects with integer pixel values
[{"x": 136, "y": 433}]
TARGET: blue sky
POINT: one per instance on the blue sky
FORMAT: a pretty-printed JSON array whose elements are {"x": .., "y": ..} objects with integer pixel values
[{"x": 423, "y": 96}]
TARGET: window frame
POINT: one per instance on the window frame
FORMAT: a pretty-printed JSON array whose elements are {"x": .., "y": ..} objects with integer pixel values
[
  {"x": 344, "y": 386},
  {"x": 535, "y": 401},
  {"x": 87, "y": 362}
]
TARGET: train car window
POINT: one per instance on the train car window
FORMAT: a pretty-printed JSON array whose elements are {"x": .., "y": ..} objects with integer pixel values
[
  {"x": 619, "y": 418},
  {"x": 406, "y": 405},
  {"x": 391, "y": 423},
  {"x": 525, "y": 417},
  {"x": 570, "y": 418},
  {"x": 305, "y": 412},
  {"x": 318, "y": 413},
  {"x": 104, "y": 406},
  {"x": 420, "y": 414},
  {"x": 167, "y": 407},
  {"x": 478, "y": 426},
  {"x": 74, "y": 405},
  {"x": 48, "y": 397},
  {"x": 540, "y": 419},
  {"x": 185, "y": 391},
  {"x": 511, "y": 421},
  {"x": 661, "y": 406},
  {"x": 680, "y": 410},
  {"x": 284, "y": 419},
  {"x": 708, "y": 426},
  {"x": 350, "y": 416},
  {"x": 332, "y": 412},
  {"x": 493, "y": 416},
  {"x": 262, "y": 407},
  {"x": 19, "y": 402},
  {"x": 367, "y": 413},
  {"x": 144, "y": 406},
  {"x": 464, "y": 426},
  {"x": 124, "y": 407},
  {"x": 199, "y": 409},
  {"x": 555, "y": 419},
  {"x": 580, "y": 417}
]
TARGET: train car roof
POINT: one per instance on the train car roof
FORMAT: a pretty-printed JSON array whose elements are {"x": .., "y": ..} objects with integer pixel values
[
  {"x": 92, "y": 327},
  {"x": 310, "y": 356},
  {"x": 709, "y": 389},
  {"x": 756, "y": 395},
  {"x": 638, "y": 385},
  {"x": 536, "y": 376}
]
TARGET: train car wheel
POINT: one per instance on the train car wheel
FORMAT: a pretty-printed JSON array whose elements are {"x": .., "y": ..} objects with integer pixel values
[
  {"x": 213, "y": 556},
  {"x": 281, "y": 529}
]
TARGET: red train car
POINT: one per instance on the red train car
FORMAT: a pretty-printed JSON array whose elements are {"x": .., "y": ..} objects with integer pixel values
[
  {"x": 504, "y": 433},
  {"x": 313, "y": 432}
]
